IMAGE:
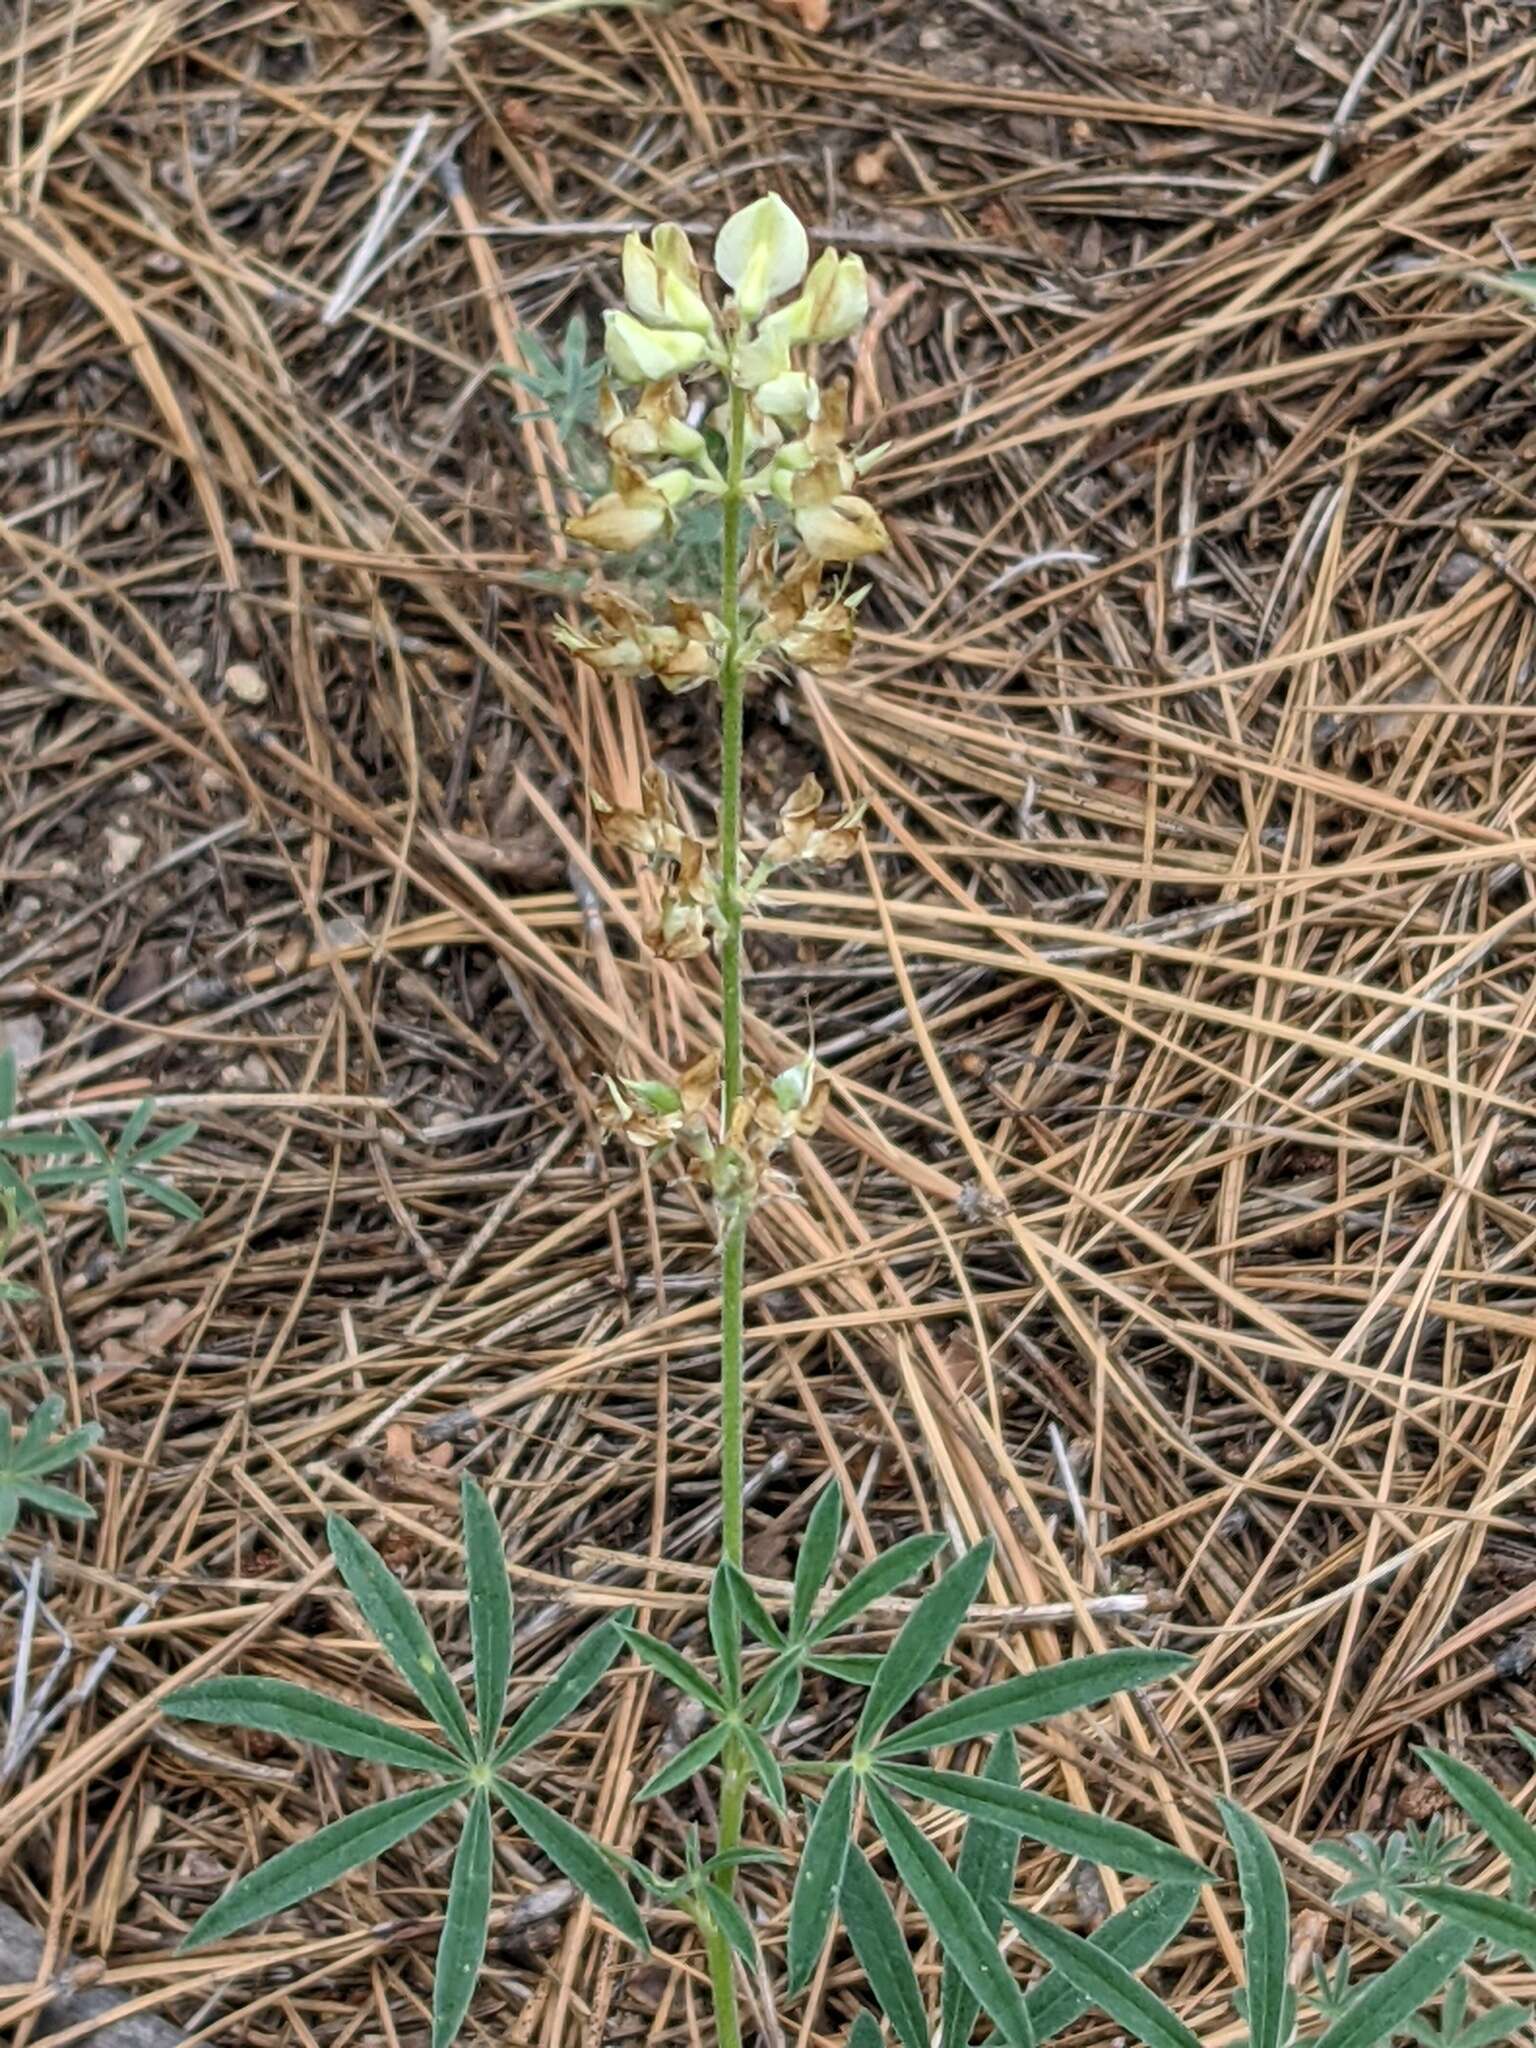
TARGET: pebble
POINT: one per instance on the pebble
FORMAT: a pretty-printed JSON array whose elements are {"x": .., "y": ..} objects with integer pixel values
[
  {"x": 123, "y": 849},
  {"x": 245, "y": 683}
]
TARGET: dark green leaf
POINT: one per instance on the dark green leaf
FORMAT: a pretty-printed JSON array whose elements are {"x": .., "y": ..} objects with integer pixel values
[
  {"x": 1051, "y": 1821},
  {"x": 165, "y": 1195},
  {"x": 1495, "y": 1920},
  {"x": 877, "y": 1581},
  {"x": 865, "y": 2032},
  {"x": 7, "y": 1085},
  {"x": 1385, "y": 2002},
  {"x": 568, "y": 1688},
  {"x": 663, "y": 1658},
  {"x": 1266, "y": 1930},
  {"x": 390, "y": 1613},
  {"x": 1504, "y": 1826},
  {"x": 925, "y": 1637},
  {"x": 985, "y": 1868},
  {"x": 168, "y": 1141},
  {"x": 318, "y": 1860},
  {"x": 817, "y": 1880},
  {"x": 881, "y": 1948},
  {"x": 765, "y": 1766},
  {"x": 53, "y": 1500},
  {"x": 725, "y": 1633},
  {"x": 277, "y": 1708},
  {"x": 490, "y": 1611},
  {"x": 751, "y": 1608},
  {"x": 1038, "y": 1696},
  {"x": 461, "y": 1951},
  {"x": 575, "y": 1856},
  {"x": 818, "y": 1554},
  {"x": 858, "y": 1668},
  {"x": 693, "y": 1756},
  {"x": 1108, "y": 1983},
  {"x": 957, "y": 1924},
  {"x": 1132, "y": 1937},
  {"x": 732, "y": 1923}
]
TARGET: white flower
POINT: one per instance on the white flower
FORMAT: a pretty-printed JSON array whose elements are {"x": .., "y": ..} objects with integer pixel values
[
  {"x": 761, "y": 252},
  {"x": 649, "y": 355},
  {"x": 792, "y": 395},
  {"x": 835, "y": 301},
  {"x": 661, "y": 283}
]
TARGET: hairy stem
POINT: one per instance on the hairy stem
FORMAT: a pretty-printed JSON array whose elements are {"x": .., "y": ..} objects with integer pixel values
[
  {"x": 731, "y": 684},
  {"x": 722, "y": 1988}
]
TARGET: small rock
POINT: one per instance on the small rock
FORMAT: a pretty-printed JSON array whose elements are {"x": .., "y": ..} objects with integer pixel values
[
  {"x": 933, "y": 38},
  {"x": 123, "y": 849},
  {"x": 22, "y": 1038},
  {"x": 245, "y": 683}
]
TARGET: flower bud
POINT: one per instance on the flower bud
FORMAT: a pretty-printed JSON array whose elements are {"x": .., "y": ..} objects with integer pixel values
[
  {"x": 761, "y": 252},
  {"x": 661, "y": 283},
  {"x": 835, "y": 301},
  {"x": 649, "y": 355},
  {"x": 765, "y": 353}
]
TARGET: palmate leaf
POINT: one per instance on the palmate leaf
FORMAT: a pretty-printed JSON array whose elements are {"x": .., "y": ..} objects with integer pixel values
[
  {"x": 693, "y": 1756},
  {"x": 985, "y": 1866},
  {"x": 577, "y": 1857},
  {"x": 1269, "y": 2003},
  {"x": 490, "y": 1612},
  {"x": 1383, "y": 2004},
  {"x": 663, "y": 1658},
  {"x": 816, "y": 1882},
  {"x": 1051, "y": 1821},
  {"x": 27, "y": 1458},
  {"x": 391, "y": 1614},
  {"x": 924, "y": 1638},
  {"x": 461, "y": 1951},
  {"x": 1037, "y": 1696},
  {"x": 84, "y": 1160},
  {"x": 958, "y": 1926},
  {"x": 881, "y": 1948},
  {"x": 309, "y": 1866},
  {"x": 277, "y": 1708},
  {"x": 1111, "y": 1987},
  {"x": 1133, "y": 1937}
]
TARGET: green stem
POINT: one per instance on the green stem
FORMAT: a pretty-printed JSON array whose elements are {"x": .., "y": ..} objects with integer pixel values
[
  {"x": 722, "y": 1988},
  {"x": 732, "y": 1429}
]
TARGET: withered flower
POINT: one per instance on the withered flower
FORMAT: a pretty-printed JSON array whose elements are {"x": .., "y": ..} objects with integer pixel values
[{"x": 808, "y": 833}]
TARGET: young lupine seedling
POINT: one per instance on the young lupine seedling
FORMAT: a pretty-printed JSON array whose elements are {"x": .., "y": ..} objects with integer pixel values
[
  {"x": 27, "y": 1460},
  {"x": 469, "y": 1758}
]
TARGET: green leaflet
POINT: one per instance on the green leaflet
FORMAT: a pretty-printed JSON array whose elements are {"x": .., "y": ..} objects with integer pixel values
[
  {"x": 1132, "y": 1937},
  {"x": 1385, "y": 2002},
  {"x": 875, "y": 1582},
  {"x": 292, "y": 1711},
  {"x": 693, "y": 1756},
  {"x": 985, "y": 1868},
  {"x": 1504, "y": 1826},
  {"x": 1266, "y": 1930},
  {"x": 925, "y": 1636},
  {"x": 391, "y": 1614},
  {"x": 1037, "y": 1696},
  {"x": 1052, "y": 1821},
  {"x": 663, "y": 1658},
  {"x": 461, "y": 1951},
  {"x": 490, "y": 1612},
  {"x": 818, "y": 1554},
  {"x": 881, "y": 1948},
  {"x": 1499, "y": 1921},
  {"x": 309, "y": 1866},
  {"x": 570, "y": 1685},
  {"x": 961, "y": 1932},
  {"x": 575, "y": 1857},
  {"x": 1106, "y": 1982},
  {"x": 817, "y": 1880}
]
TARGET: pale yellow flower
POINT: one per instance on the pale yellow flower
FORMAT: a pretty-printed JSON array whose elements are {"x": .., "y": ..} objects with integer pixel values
[{"x": 761, "y": 252}]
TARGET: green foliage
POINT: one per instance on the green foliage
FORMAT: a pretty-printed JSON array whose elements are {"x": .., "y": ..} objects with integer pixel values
[
  {"x": 27, "y": 1459},
  {"x": 566, "y": 385},
  {"x": 468, "y": 1758},
  {"x": 1267, "y": 2004},
  {"x": 1386, "y": 1870}
]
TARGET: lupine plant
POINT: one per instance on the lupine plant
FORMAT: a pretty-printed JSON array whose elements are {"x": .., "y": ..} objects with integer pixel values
[
  {"x": 71, "y": 1158},
  {"x": 717, "y": 425}
]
